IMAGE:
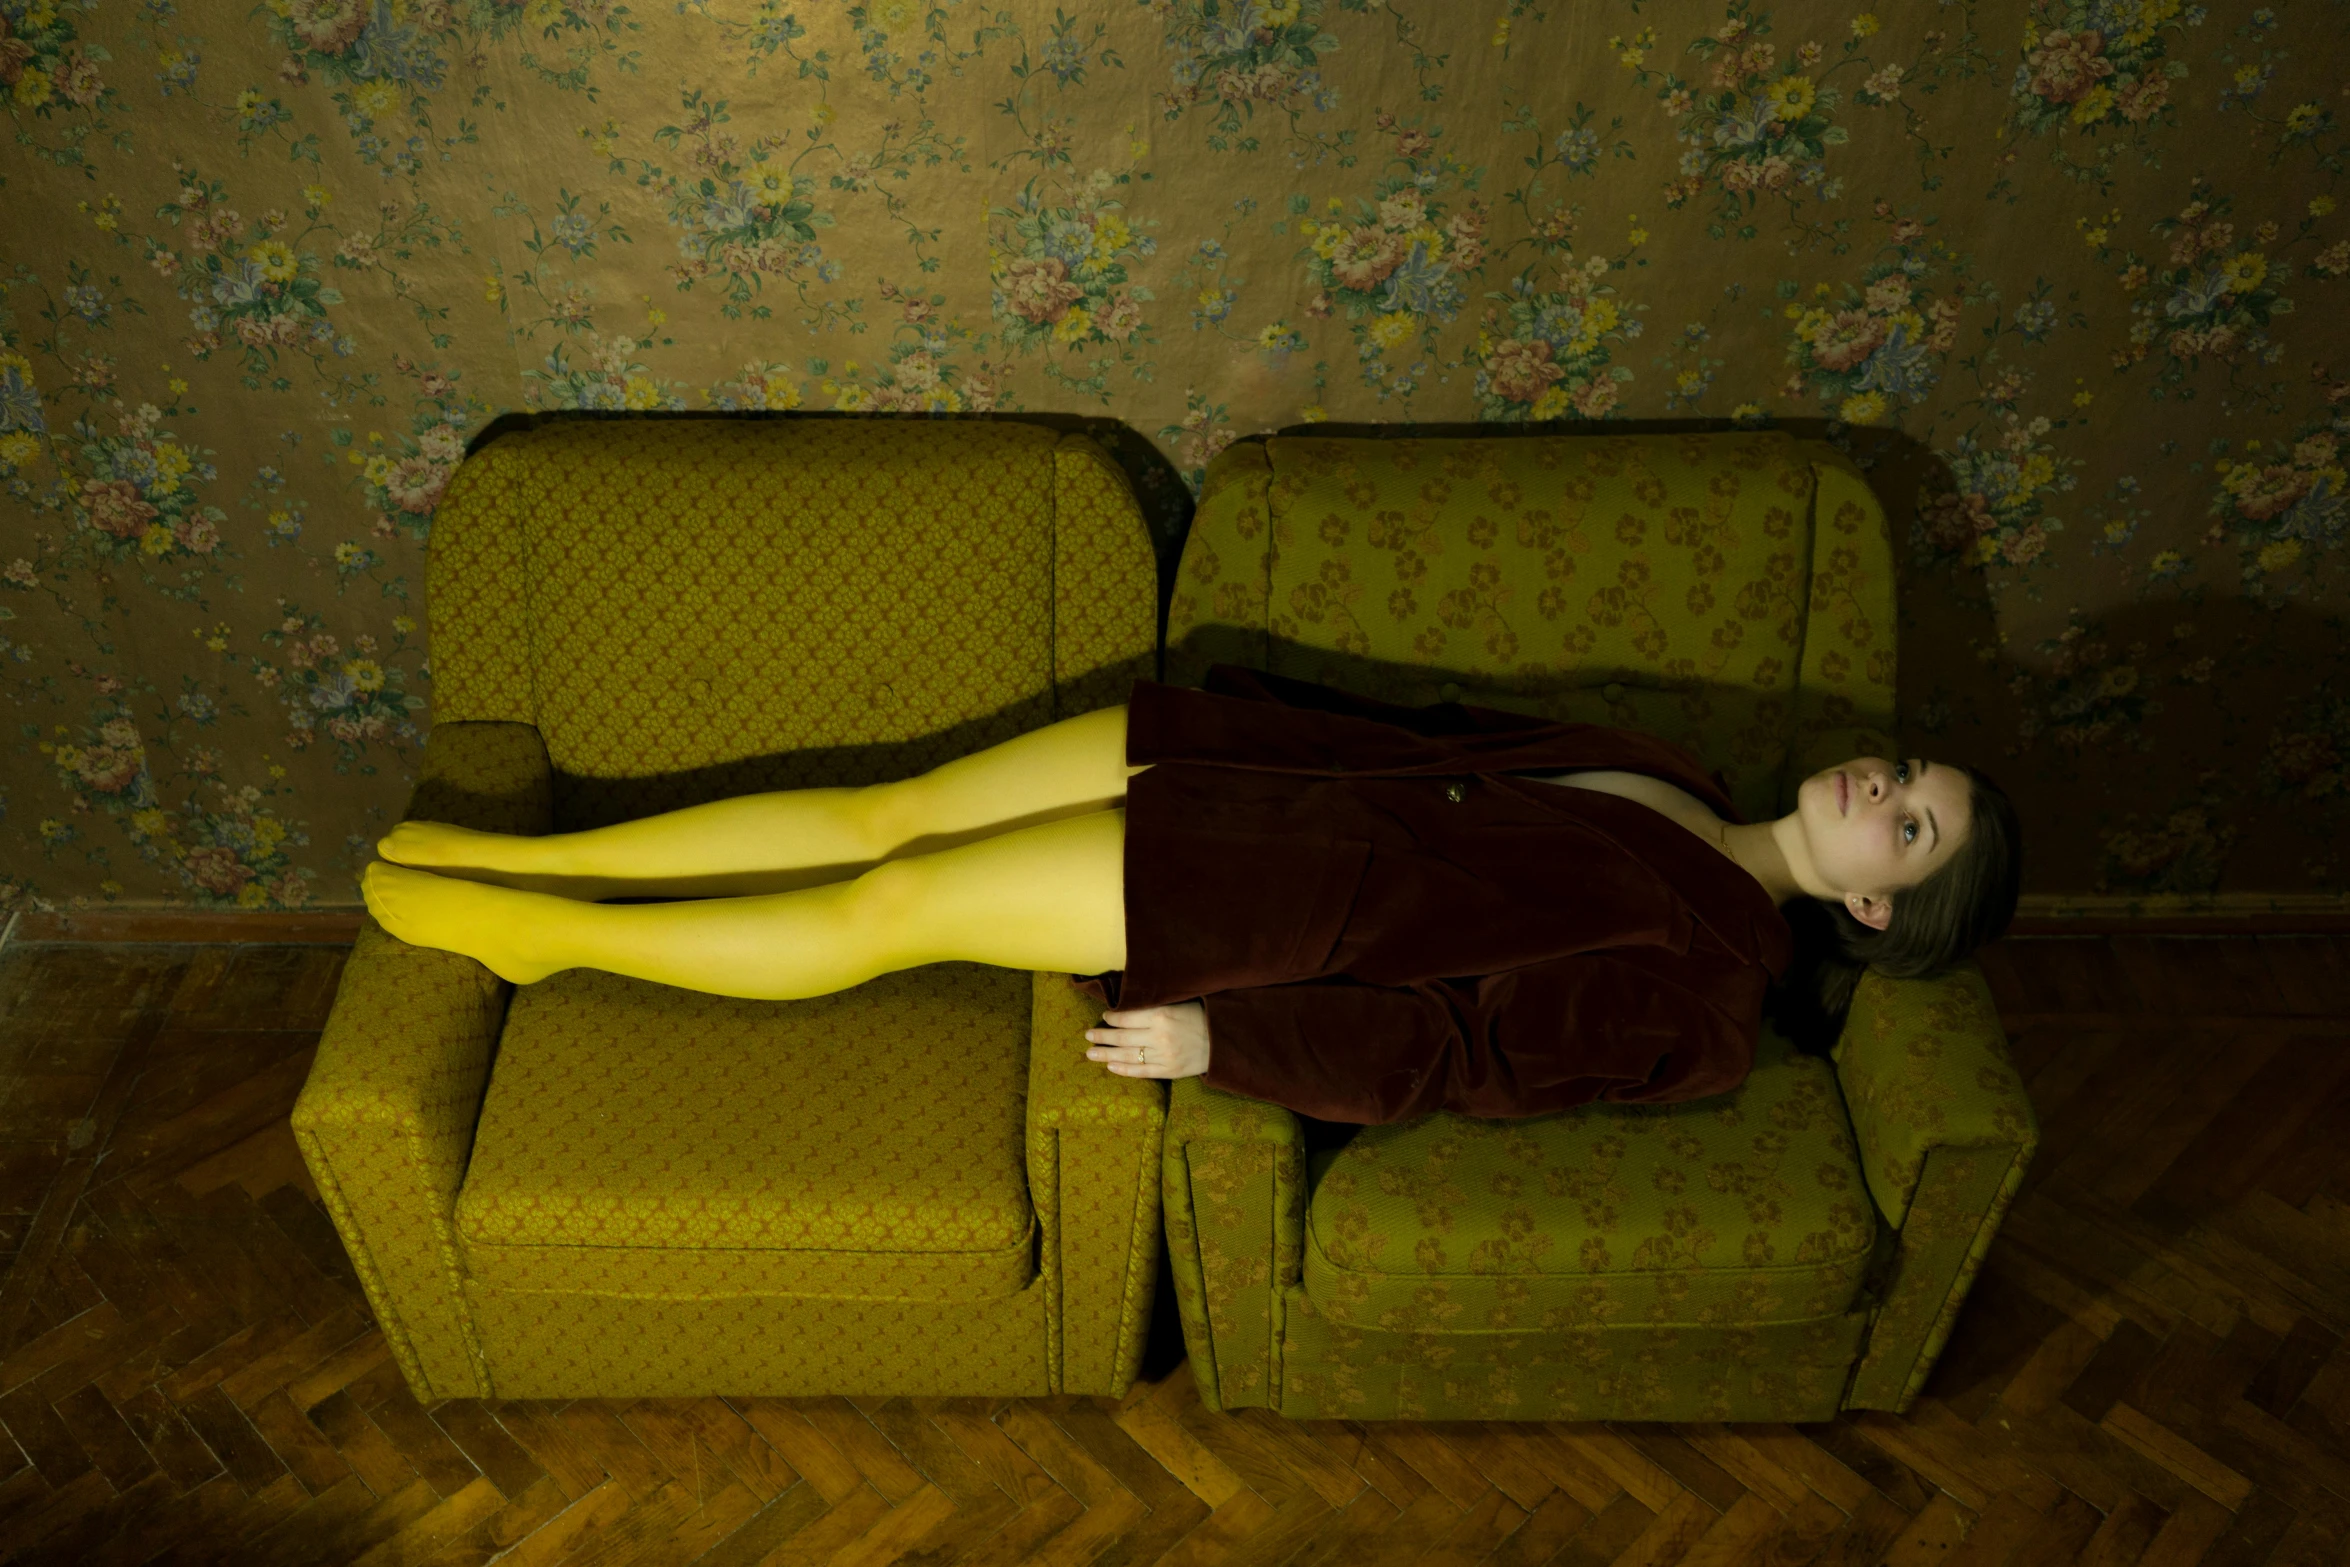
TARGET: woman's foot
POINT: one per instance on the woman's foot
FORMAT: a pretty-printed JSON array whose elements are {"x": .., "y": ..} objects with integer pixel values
[
  {"x": 500, "y": 928},
  {"x": 501, "y": 859}
]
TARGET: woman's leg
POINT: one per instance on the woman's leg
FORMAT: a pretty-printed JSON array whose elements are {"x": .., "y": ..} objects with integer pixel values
[
  {"x": 1049, "y": 897},
  {"x": 794, "y": 838}
]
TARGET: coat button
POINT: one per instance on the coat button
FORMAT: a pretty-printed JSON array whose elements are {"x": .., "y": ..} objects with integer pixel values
[
  {"x": 1456, "y": 792},
  {"x": 1613, "y": 691}
]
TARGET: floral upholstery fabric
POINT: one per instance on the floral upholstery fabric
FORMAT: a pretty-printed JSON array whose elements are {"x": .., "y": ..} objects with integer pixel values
[
  {"x": 1233, "y": 1181},
  {"x": 1782, "y": 1371},
  {"x": 1946, "y": 1131},
  {"x": 858, "y": 601},
  {"x": 640, "y": 1140},
  {"x": 1737, "y": 1258},
  {"x": 1924, "y": 1065},
  {"x": 1732, "y": 593},
  {"x": 1740, "y": 1209}
]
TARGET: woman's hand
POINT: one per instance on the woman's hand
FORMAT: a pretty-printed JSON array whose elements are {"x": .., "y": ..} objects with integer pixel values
[{"x": 1153, "y": 1041}]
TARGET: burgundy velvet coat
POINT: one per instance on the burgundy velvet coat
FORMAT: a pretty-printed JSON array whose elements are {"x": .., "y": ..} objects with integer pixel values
[{"x": 1382, "y": 922}]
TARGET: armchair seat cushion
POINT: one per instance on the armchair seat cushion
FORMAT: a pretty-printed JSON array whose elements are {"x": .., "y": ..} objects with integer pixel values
[
  {"x": 1738, "y": 1210},
  {"x": 640, "y": 1140}
]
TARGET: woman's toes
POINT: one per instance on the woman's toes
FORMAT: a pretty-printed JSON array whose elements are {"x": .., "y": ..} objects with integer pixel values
[
  {"x": 483, "y": 923},
  {"x": 410, "y": 843}
]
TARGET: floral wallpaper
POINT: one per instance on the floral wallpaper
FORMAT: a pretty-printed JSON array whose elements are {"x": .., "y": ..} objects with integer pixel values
[{"x": 2069, "y": 276}]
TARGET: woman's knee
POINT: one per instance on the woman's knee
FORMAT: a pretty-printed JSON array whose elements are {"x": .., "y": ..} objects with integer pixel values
[
  {"x": 1071, "y": 768},
  {"x": 1046, "y": 897}
]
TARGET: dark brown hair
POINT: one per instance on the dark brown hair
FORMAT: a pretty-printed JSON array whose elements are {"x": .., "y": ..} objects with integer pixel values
[{"x": 1936, "y": 925}]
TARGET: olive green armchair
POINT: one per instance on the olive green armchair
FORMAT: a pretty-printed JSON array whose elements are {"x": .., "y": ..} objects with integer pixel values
[
  {"x": 1793, "y": 1248},
  {"x": 597, "y": 1186}
]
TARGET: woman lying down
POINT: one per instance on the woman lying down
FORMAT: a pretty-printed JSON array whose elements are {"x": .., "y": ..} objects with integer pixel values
[{"x": 1362, "y": 911}]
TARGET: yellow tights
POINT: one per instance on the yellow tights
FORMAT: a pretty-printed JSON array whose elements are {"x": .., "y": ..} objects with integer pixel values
[{"x": 1012, "y": 856}]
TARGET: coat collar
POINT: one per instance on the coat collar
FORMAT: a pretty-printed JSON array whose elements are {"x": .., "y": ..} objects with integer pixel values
[{"x": 1352, "y": 734}]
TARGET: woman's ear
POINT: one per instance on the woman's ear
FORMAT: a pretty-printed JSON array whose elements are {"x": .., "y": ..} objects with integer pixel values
[{"x": 1875, "y": 913}]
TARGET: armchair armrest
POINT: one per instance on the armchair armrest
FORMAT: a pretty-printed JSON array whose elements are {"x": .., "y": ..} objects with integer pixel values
[
  {"x": 489, "y": 775},
  {"x": 1093, "y": 1175},
  {"x": 386, "y": 1118},
  {"x": 385, "y": 1123},
  {"x": 1235, "y": 1191},
  {"x": 1945, "y": 1132}
]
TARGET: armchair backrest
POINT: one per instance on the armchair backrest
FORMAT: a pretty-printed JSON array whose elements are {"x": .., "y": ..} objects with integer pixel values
[
  {"x": 687, "y": 609},
  {"x": 1731, "y": 592}
]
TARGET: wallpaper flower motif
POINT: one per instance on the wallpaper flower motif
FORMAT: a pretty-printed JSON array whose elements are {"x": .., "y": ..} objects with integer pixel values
[
  {"x": 2062, "y": 275},
  {"x": 1757, "y": 126},
  {"x": 2210, "y": 295},
  {"x": 1061, "y": 270},
  {"x": 51, "y": 78},
  {"x": 1872, "y": 347},
  {"x": 1396, "y": 260},
  {"x": 2095, "y": 65},
  {"x": 2283, "y": 504},
  {"x": 1237, "y": 55}
]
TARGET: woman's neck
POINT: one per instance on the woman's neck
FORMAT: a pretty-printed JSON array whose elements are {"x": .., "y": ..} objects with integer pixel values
[{"x": 1755, "y": 848}]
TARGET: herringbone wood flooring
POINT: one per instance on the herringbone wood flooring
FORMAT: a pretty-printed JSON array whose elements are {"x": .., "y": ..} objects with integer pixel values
[{"x": 2151, "y": 1367}]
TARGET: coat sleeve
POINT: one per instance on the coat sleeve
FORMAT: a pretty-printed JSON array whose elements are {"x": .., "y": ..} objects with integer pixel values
[{"x": 1548, "y": 1037}]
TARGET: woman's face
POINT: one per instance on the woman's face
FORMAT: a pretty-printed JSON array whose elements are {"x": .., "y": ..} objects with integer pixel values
[{"x": 1874, "y": 827}]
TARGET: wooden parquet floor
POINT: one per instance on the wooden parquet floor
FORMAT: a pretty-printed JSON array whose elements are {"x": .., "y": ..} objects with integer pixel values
[{"x": 2150, "y": 1369}]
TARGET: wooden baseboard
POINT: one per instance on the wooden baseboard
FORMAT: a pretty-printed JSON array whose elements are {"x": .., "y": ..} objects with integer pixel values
[
  {"x": 2051, "y": 914},
  {"x": 2221, "y": 914},
  {"x": 327, "y": 927}
]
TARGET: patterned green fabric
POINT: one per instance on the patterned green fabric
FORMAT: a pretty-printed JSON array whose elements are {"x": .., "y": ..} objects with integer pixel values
[
  {"x": 386, "y": 1118},
  {"x": 638, "y": 1139},
  {"x": 480, "y": 616},
  {"x": 1218, "y": 612},
  {"x": 490, "y": 776},
  {"x": 1105, "y": 583},
  {"x": 1924, "y": 1065},
  {"x": 1732, "y": 593},
  {"x": 385, "y": 1123},
  {"x": 1946, "y": 1131},
  {"x": 1843, "y": 701},
  {"x": 761, "y": 1346},
  {"x": 1784, "y": 1371},
  {"x": 1739, "y": 1209},
  {"x": 1944, "y": 1134},
  {"x": 942, "y": 588},
  {"x": 1233, "y": 1185},
  {"x": 789, "y": 546},
  {"x": 1959, "y": 1201},
  {"x": 1093, "y": 1142}
]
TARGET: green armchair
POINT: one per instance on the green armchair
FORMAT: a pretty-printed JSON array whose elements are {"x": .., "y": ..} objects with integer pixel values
[
  {"x": 598, "y": 1186},
  {"x": 1796, "y": 1247}
]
